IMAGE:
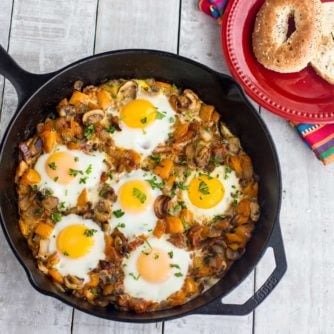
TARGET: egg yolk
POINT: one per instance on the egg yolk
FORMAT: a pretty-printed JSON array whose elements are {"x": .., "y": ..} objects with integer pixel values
[
  {"x": 58, "y": 167},
  {"x": 153, "y": 266},
  {"x": 75, "y": 241},
  {"x": 134, "y": 196},
  {"x": 205, "y": 192},
  {"x": 138, "y": 113}
]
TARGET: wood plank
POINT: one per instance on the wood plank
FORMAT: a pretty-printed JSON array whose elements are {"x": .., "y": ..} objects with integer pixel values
[
  {"x": 129, "y": 24},
  {"x": 304, "y": 297},
  {"x": 45, "y": 35},
  {"x": 152, "y": 24},
  {"x": 5, "y": 17},
  {"x": 199, "y": 40}
]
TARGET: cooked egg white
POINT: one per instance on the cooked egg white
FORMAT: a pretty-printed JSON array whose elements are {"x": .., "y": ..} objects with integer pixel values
[
  {"x": 67, "y": 172},
  {"x": 145, "y": 123},
  {"x": 133, "y": 212},
  {"x": 80, "y": 245},
  {"x": 208, "y": 195},
  {"x": 155, "y": 270}
]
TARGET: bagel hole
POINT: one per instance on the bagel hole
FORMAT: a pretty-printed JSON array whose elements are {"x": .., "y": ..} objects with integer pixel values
[{"x": 291, "y": 26}]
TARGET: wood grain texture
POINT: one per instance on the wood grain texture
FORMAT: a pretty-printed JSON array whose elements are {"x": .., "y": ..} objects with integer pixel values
[
  {"x": 152, "y": 24},
  {"x": 303, "y": 301},
  {"x": 45, "y": 35}
]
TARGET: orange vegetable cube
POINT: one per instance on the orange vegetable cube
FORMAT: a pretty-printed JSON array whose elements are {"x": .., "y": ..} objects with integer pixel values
[
  {"x": 174, "y": 225},
  {"x": 54, "y": 273},
  {"x": 164, "y": 169},
  {"x": 49, "y": 138},
  {"x": 78, "y": 98},
  {"x": 44, "y": 230},
  {"x": 104, "y": 99},
  {"x": 30, "y": 177}
]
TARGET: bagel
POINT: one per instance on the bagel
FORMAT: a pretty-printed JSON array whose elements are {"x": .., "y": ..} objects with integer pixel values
[
  {"x": 271, "y": 46},
  {"x": 323, "y": 62}
]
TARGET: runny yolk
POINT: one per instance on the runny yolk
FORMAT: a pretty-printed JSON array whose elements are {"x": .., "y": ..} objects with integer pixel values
[
  {"x": 205, "y": 192},
  {"x": 138, "y": 113},
  {"x": 74, "y": 241},
  {"x": 58, "y": 167},
  {"x": 134, "y": 196},
  {"x": 154, "y": 266}
]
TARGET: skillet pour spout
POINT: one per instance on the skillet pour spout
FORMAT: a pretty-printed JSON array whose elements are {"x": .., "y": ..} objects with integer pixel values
[{"x": 38, "y": 95}]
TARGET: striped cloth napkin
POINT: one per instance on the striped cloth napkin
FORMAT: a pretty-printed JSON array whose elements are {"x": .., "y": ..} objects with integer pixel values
[{"x": 319, "y": 137}]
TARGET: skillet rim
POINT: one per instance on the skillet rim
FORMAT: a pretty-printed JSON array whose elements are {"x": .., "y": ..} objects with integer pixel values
[{"x": 128, "y": 316}]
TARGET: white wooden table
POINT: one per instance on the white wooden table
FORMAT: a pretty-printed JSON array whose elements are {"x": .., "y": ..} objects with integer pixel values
[{"x": 44, "y": 35}]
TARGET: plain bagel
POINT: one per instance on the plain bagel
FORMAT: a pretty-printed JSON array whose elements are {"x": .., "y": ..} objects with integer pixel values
[{"x": 271, "y": 46}]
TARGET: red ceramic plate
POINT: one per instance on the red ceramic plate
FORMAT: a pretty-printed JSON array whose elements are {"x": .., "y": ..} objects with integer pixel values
[{"x": 301, "y": 97}]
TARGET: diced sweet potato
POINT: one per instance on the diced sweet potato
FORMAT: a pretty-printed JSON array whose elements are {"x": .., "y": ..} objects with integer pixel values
[
  {"x": 104, "y": 99},
  {"x": 160, "y": 229},
  {"x": 243, "y": 208},
  {"x": 186, "y": 216},
  {"x": 181, "y": 130},
  {"x": 164, "y": 85},
  {"x": 54, "y": 273},
  {"x": 234, "y": 238},
  {"x": 83, "y": 198},
  {"x": 21, "y": 168},
  {"x": 190, "y": 286},
  {"x": 44, "y": 230},
  {"x": 174, "y": 225},
  {"x": 251, "y": 189},
  {"x": 49, "y": 138},
  {"x": 78, "y": 98},
  {"x": 164, "y": 169},
  {"x": 30, "y": 177},
  {"x": 24, "y": 227},
  {"x": 206, "y": 112},
  {"x": 94, "y": 281}
]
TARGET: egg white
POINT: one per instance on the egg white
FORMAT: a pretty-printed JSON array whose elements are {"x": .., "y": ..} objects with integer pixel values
[
  {"x": 133, "y": 224},
  {"x": 68, "y": 194},
  {"x": 231, "y": 185},
  {"x": 79, "y": 267},
  {"x": 145, "y": 140},
  {"x": 137, "y": 287}
]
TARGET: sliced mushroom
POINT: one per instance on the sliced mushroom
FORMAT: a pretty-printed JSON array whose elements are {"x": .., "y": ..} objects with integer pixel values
[
  {"x": 233, "y": 145},
  {"x": 93, "y": 116},
  {"x": 128, "y": 91},
  {"x": 41, "y": 266},
  {"x": 254, "y": 211},
  {"x": 67, "y": 110},
  {"x": 161, "y": 206},
  {"x": 195, "y": 103},
  {"x": 205, "y": 134},
  {"x": 78, "y": 85},
  {"x": 50, "y": 202},
  {"x": 108, "y": 192},
  {"x": 103, "y": 210},
  {"x": 202, "y": 156},
  {"x": 73, "y": 282},
  {"x": 233, "y": 255},
  {"x": 224, "y": 131}
]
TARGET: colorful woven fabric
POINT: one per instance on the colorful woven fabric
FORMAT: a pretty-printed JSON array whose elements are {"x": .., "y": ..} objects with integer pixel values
[{"x": 320, "y": 138}]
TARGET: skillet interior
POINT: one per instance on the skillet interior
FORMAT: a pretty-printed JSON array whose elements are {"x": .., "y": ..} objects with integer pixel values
[{"x": 219, "y": 90}]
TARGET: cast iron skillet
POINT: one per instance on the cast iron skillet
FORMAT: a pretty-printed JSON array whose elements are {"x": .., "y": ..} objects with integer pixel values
[{"x": 38, "y": 94}]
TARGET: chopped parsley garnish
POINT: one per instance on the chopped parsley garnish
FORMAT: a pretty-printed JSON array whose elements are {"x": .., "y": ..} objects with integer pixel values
[
  {"x": 154, "y": 184},
  {"x": 171, "y": 254},
  {"x": 139, "y": 195},
  {"x": 215, "y": 160},
  {"x": 175, "y": 266},
  {"x": 111, "y": 130},
  {"x": 203, "y": 188},
  {"x": 183, "y": 205},
  {"x": 187, "y": 172},
  {"x": 56, "y": 216},
  {"x": 66, "y": 253},
  {"x": 143, "y": 120},
  {"x": 235, "y": 197},
  {"x": 181, "y": 185},
  {"x": 109, "y": 174},
  {"x": 55, "y": 178},
  {"x": 90, "y": 129},
  {"x": 134, "y": 276},
  {"x": 156, "y": 256},
  {"x": 47, "y": 192},
  {"x": 120, "y": 225},
  {"x": 75, "y": 172},
  {"x": 83, "y": 180},
  {"x": 171, "y": 119},
  {"x": 118, "y": 213},
  {"x": 155, "y": 158},
  {"x": 61, "y": 206},
  {"x": 89, "y": 169},
  {"x": 52, "y": 165},
  {"x": 227, "y": 171},
  {"x": 40, "y": 211},
  {"x": 90, "y": 232},
  {"x": 178, "y": 275},
  {"x": 160, "y": 115},
  {"x": 76, "y": 159}
]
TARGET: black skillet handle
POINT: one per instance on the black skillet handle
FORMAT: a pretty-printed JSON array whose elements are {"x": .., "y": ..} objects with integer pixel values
[
  {"x": 218, "y": 308},
  {"x": 25, "y": 83}
]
